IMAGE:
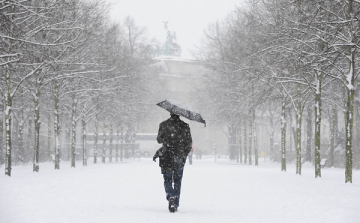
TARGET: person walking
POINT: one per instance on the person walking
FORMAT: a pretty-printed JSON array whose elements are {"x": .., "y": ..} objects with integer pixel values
[{"x": 175, "y": 137}]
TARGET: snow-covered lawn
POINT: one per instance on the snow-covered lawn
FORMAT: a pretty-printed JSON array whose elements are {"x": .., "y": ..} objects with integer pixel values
[{"x": 132, "y": 191}]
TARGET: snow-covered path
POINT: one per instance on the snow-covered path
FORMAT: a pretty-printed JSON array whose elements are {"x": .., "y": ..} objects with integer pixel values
[{"x": 132, "y": 191}]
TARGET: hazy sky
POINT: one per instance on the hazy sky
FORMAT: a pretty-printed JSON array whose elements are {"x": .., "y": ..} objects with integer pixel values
[{"x": 187, "y": 18}]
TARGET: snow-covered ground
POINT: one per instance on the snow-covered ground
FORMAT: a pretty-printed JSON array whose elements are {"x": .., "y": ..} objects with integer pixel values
[{"x": 132, "y": 191}]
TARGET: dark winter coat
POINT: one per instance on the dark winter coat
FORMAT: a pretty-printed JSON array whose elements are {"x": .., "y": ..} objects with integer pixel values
[
  {"x": 167, "y": 159},
  {"x": 175, "y": 136}
]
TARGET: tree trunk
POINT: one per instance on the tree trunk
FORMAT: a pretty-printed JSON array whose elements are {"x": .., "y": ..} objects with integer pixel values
[
  {"x": 68, "y": 139},
  {"x": 96, "y": 137},
  {"x": 308, "y": 135},
  {"x": 271, "y": 133},
  {"x": 84, "y": 152},
  {"x": 352, "y": 27},
  {"x": 111, "y": 144},
  {"x": 117, "y": 146},
  {"x": 21, "y": 137},
  {"x": 283, "y": 136},
  {"x": 245, "y": 144},
  {"x": 73, "y": 132},
  {"x": 49, "y": 139},
  {"x": 318, "y": 125},
  {"x": 1, "y": 141},
  {"x": 122, "y": 146},
  {"x": 256, "y": 146},
  {"x": 57, "y": 127},
  {"x": 298, "y": 133},
  {"x": 292, "y": 135},
  {"x": 349, "y": 118},
  {"x": 37, "y": 130},
  {"x": 8, "y": 109},
  {"x": 240, "y": 143},
  {"x": 104, "y": 145},
  {"x": 30, "y": 140},
  {"x": 250, "y": 140}
]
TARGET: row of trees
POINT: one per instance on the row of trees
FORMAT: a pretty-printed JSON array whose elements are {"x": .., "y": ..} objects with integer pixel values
[
  {"x": 294, "y": 55},
  {"x": 62, "y": 61}
]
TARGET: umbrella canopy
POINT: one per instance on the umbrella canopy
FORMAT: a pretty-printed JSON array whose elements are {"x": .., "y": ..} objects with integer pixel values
[{"x": 181, "y": 109}]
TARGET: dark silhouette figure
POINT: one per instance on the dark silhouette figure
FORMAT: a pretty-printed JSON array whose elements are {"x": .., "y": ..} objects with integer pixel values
[{"x": 175, "y": 137}]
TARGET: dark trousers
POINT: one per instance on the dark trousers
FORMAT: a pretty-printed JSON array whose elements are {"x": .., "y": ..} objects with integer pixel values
[{"x": 172, "y": 182}]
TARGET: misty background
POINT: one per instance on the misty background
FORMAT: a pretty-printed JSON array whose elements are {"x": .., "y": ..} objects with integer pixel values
[{"x": 273, "y": 79}]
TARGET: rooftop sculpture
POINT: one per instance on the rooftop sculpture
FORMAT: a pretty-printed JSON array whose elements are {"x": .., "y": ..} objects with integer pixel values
[{"x": 170, "y": 47}]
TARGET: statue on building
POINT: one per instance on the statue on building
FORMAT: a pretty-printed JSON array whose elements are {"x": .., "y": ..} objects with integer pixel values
[{"x": 170, "y": 47}]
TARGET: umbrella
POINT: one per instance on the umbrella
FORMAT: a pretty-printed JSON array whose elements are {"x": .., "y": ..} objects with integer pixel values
[{"x": 179, "y": 108}]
